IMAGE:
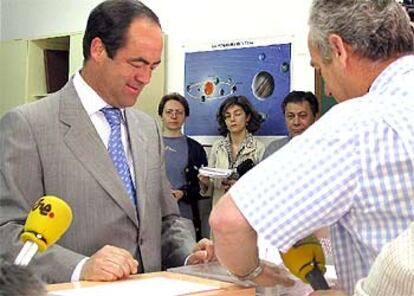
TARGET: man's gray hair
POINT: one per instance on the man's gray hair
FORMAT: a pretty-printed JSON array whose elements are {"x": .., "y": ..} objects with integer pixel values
[{"x": 376, "y": 30}]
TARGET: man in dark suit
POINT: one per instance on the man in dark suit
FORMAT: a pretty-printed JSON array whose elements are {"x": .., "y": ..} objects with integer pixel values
[
  {"x": 301, "y": 110},
  {"x": 112, "y": 175}
]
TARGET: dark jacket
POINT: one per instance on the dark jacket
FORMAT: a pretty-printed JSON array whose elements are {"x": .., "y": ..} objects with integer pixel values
[{"x": 196, "y": 158}]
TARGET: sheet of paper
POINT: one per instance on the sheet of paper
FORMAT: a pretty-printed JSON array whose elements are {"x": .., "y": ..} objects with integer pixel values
[
  {"x": 151, "y": 286},
  {"x": 215, "y": 172}
]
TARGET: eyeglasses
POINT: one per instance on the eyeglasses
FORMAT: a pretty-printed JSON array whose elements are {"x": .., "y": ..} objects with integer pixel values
[{"x": 171, "y": 112}]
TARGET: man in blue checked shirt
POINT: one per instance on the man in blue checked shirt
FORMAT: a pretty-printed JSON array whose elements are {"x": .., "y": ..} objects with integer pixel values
[{"x": 352, "y": 170}]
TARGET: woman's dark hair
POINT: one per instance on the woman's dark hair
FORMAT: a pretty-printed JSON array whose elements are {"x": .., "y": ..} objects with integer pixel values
[
  {"x": 176, "y": 97},
  {"x": 110, "y": 21},
  {"x": 255, "y": 119}
]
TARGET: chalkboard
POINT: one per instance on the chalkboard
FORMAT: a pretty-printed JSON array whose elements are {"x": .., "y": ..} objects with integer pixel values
[{"x": 326, "y": 101}]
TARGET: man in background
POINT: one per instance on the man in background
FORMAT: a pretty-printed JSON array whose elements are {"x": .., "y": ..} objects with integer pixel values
[
  {"x": 300, "y": 109},
  {"x": 351, "y": 170},
  {"x": 86, "y": 145}
]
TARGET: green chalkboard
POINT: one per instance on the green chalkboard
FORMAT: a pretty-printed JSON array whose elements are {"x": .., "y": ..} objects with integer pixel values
[{"x": 326, "y": 101}]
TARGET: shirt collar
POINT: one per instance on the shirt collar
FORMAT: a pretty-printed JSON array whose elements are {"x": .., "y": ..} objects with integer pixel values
[
  {"x": 90, "y": 99},
  {"x": 401, "y": 65}
]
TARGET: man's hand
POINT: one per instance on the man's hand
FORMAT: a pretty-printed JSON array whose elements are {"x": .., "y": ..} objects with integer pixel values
[
  {"x": 273, "y": 275},
  {"x": 203, "y": 252},
  {"x": 109, "y": 264},
  {"x": 328, "y": 293},
  {"x": 177, "y": 194}
]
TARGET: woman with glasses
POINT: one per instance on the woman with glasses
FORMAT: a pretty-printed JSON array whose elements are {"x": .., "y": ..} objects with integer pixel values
[
  {"x": 183, "y": 157},
  {"x": 238, "y": 121}
]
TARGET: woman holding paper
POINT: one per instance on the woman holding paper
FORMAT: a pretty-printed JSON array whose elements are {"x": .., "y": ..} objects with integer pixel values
[{"x": 238, "y": 121}]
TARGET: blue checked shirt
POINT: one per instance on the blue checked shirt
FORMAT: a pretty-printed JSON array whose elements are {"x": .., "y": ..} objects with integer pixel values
[{"x": 353, "y": 169}]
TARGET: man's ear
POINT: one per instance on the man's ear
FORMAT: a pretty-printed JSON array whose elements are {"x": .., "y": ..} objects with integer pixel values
[
  {"x": 339, "y": 49},
  {"x": 97, "y": 49}
]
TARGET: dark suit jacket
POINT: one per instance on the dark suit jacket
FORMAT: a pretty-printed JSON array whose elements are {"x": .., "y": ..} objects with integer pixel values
[
  {"x": 275, "y": 145},
  {"x": 51, "y": 147}
]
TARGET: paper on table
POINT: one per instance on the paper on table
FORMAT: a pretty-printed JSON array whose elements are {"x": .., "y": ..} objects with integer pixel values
[
  {"x": 151, "y": 286},
  {"x": 215, "y": 172}
]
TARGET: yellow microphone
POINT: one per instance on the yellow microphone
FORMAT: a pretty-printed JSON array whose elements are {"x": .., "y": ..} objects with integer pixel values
[
  {"x": 47, "y": 221},
  {"x": 306, "y": 260}
]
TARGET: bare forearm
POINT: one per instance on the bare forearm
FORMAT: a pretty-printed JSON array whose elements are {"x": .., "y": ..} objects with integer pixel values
[
  {"x": 236, "y": 246},
  {"x": 235, "y": 241},
  {"x": 238, "y": 252}
]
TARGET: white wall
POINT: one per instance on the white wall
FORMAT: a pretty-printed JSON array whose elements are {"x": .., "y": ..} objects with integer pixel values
[
  {"x": 184, "y": 22},
  {"x": 42, "y": 18},
  {"x": 188, "y": 22}
]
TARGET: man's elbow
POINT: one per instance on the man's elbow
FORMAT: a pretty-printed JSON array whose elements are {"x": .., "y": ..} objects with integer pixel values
[{"x": 222, "y": 219}]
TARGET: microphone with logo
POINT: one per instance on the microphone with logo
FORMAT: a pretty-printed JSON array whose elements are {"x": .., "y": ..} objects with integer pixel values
[
  {"x": 306, "y": 260},
  {"x": 48, "y": 220}
]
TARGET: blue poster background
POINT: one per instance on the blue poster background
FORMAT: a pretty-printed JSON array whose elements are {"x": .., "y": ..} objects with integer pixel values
[{"x": 212, "y": 76}]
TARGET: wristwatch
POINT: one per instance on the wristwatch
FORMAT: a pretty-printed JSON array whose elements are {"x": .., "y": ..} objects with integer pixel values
[{"x": 250, "y": 276}]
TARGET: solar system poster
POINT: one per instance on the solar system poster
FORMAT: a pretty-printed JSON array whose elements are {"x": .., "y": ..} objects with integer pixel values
[{"x": 259, "y": 72}]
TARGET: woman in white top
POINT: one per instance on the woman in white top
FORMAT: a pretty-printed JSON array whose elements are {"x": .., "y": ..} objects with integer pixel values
[{"x": 238, "y": 121}]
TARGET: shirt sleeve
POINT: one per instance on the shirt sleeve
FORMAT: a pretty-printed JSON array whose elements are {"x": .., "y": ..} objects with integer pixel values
[{"x": 77, "y": 271}]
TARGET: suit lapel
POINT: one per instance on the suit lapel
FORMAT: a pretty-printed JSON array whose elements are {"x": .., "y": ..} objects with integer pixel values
[
  {"x": 138, "y": 140},
  {"x": 85, "y": 143}
]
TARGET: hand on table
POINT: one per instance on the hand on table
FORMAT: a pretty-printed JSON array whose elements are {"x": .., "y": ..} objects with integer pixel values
[
  {"x": 273, "y": 275},
  {"x": 109, "y": 264},
  {"x": 203, "y": 252}
]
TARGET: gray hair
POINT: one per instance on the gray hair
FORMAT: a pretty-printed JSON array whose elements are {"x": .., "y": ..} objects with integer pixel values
[{"x": 376, "y": 30}]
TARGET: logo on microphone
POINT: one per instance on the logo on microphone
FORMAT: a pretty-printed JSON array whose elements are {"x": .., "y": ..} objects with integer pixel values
[{"x": 44, "y": 208}]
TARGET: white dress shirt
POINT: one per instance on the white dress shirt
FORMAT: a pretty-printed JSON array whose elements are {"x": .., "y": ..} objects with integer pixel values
[{"x": 93, "y": 103}]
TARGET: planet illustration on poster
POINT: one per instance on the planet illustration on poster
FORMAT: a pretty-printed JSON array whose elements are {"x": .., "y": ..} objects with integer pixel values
[
  {"x": 213, "y": 88},
  {"x": 260, "y": 73}
]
